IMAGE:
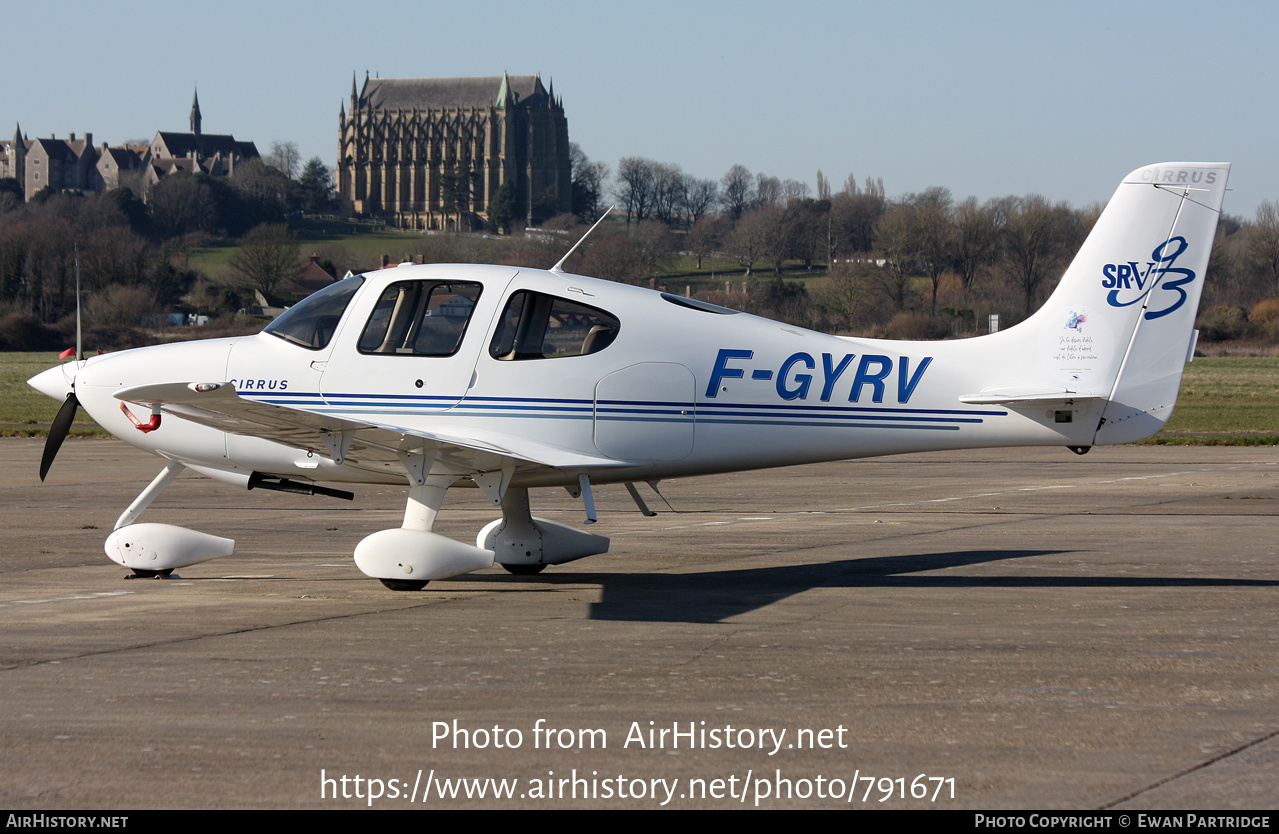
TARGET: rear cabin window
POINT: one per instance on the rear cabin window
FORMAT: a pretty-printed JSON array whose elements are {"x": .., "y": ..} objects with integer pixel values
[
  {"x": 539, "y": 326},
  {"x": 312, "y": 322},
  {"x": 420, "y": 318}
]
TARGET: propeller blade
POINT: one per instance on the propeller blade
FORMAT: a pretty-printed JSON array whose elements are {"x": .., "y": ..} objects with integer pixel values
[{"x": 58, "y": 432}]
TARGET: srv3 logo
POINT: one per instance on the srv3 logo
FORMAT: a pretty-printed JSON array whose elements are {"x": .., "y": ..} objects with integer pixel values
[{"x": 1129, "y": 282}]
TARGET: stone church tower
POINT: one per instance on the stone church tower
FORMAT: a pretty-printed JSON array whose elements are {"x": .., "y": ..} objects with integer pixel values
[{"x": 431, "y": 153}]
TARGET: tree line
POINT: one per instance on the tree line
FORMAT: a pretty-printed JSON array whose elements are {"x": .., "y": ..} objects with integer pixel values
[
  {"x": 921, "y": 264},
  {"x": 841, "y": 257},
  {"x": 130, "y": 243}
]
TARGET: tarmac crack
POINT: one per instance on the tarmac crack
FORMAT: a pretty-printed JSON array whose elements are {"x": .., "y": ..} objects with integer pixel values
[
  {"x": 1191, "y": 770},
  {"x": 177, "y": 641}
]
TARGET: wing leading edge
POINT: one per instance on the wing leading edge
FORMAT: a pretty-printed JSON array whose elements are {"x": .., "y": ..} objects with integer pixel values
[{"x": 369, "y": 445}]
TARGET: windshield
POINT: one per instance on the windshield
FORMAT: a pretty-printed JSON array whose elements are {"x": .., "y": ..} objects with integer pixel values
[{"x": 312, "y": 322}]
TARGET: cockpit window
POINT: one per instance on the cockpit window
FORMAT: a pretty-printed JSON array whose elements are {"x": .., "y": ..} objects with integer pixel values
[
  {"x": 420, "y": 318},
  {"x": 312, "y": 322},
  {"x": 538, "y": 326}
]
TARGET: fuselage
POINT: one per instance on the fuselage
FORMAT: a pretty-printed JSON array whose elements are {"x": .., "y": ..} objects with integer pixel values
[{"x": 673, "y": 388}]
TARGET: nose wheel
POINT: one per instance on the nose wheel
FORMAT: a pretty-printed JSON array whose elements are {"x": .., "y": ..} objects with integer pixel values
[
  {"x": 139, "y": 573},
  {"x": 523, "y": 570},
  {"x": 405, "y": 584}
]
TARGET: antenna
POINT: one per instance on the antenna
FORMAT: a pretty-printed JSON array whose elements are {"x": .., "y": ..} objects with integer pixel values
[
  {"x": 558, "y": 269},
  {"x": 79, "y": 349}
]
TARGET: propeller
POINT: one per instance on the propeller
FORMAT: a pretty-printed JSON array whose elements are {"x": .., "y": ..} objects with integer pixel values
[
  {"x": 58, "y": 432},
  {"x": 61, "y": 424}
]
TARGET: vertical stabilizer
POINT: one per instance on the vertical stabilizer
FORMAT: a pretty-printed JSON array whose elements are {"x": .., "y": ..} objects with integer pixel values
[
  {"x": 1119, "y": 325},
  {"x": 1145, "y": 391}
]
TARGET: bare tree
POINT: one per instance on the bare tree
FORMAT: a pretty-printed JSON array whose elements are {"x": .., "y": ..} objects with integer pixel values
[
  {"x": 736, "y": 192},
  {"x": 1228, "y": 275},
  {"x": 589, "y": 182},
  {"x": 794, "y": 190},
  {"x": 768, "y": 191},
  {"x": 635, "y": 186},
  {"x": 285, "y": 158},
  {"x": 776, "y": 235},
  {"x": 934, "y": 236},
  {"x": 1262, "y": 243},
  {"x": 700, "y": 196},
  {"x": 853, "y": 219},
  {"x": 181, "y": 205},
  {"x": 616, "y": 258},
  {"x": 823, "y": 186},
  {"x": 747, "y": 243},
  {"x": 976, "y": 239},
  {"x": 668, "y": 192},
  {"x": 840, "y": 293},
  {"x": 267, "y": 257},
  {"x": 119, "y": 305},
  {"x": 895, "y": 240},
  {"x": 1037, "y": 238},
  {"x": 707, "y": 235},
  {"x": 807, "y": 223},
  {"x": 656, "y": 243}
]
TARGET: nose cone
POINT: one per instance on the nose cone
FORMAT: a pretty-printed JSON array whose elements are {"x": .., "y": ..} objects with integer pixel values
[{"x": 55, "y": 382}]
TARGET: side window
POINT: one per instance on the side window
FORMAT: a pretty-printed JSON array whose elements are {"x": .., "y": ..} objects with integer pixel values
[
  {"x": 538, "y": 326},
  {"x": 420, "y": 318},
  {"x": 312, "y": 322}
]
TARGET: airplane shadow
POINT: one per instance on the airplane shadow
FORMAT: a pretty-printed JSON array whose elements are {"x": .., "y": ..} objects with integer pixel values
[{"x": 713, "y": 596}]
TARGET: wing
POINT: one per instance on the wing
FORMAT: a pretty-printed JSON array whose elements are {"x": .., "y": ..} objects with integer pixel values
[{"x": 486, "y": 456}]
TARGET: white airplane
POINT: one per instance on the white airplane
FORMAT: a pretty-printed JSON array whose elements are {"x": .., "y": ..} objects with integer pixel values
[{"x": 505, "y": 379}]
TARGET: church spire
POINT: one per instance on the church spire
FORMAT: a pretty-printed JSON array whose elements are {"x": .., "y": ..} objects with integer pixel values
[
  {"x": 503, "y": 92},
  {"x": 195, "y": 113}
]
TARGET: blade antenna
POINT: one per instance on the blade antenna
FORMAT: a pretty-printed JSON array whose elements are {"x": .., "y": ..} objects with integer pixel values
[{"x": 558, "y": 269}]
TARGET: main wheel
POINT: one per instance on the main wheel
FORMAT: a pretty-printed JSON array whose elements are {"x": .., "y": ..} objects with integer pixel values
[
  {"x": 405, "y": 584},
  {"x": 524, "y": 570},
  {"x": 139, "y": 573}
]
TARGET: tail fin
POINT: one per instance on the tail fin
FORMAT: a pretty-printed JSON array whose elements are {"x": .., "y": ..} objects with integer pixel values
[{"x": 1120, "y": 325}]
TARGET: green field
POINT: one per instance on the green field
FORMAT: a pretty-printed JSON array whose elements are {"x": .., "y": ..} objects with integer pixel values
[
  {"x": 367, "y": 242},
  {"x": 1225, "y": 401},
  {"x": 24, "y": 411},
  {"x": 363, "y": 240}
]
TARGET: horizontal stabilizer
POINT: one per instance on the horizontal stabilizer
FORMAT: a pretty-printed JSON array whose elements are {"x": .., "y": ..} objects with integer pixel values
[{"x": 1031, "y": 395}]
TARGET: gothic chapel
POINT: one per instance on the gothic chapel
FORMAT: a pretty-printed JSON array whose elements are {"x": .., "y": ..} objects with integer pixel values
[{"x": 431, "y": 153}]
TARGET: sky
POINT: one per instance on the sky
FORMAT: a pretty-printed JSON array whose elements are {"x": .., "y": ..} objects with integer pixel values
[{"x": 984, "y": 98}]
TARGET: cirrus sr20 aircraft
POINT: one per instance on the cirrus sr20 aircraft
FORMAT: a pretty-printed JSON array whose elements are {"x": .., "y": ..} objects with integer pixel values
[{"x": 507, "y": 379}]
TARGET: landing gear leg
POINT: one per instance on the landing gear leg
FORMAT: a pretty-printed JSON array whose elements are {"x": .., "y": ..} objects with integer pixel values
[
  {"x": 406, "y": 558},
  {"x": 419, "y": 514},
  {"x": 525, "y": 545},
  {"x": 152, "y": 492}
]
